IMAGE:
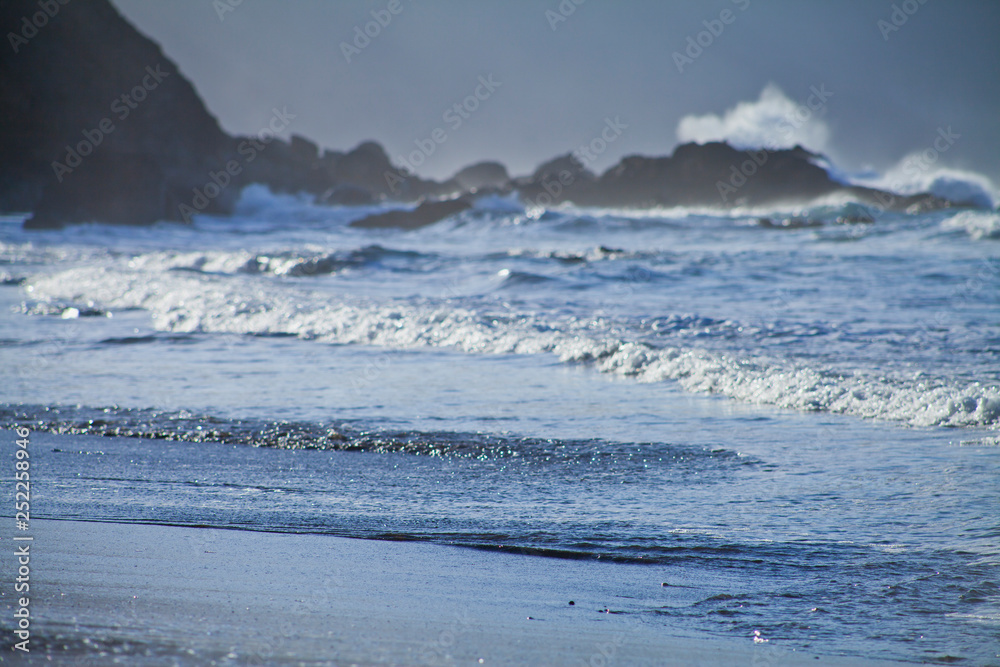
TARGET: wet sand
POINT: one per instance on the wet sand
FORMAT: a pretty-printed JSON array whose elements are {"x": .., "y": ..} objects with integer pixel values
[{"x": 145, "y": 594}]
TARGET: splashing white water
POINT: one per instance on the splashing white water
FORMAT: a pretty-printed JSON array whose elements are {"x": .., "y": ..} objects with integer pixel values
[{"x": 196, "y": 301}]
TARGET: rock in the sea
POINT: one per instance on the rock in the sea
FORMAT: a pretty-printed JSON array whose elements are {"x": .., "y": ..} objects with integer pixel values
[
  {"x": 346, "y": 195},
  {"x": 482, "y": 175},
  {"x": 427, "y": 213},
  {"x": 563, "y": 178},
  {"x": 563, "y": 168},
  {"x": 713, "y": 174},
  {"x": 303, "y": 149},
  {"x": 365, "y": 166},
  {"x": 97, "y": 124}
]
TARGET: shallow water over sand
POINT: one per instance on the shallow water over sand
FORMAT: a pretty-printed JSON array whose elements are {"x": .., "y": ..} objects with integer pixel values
[{"x": 800, "y": 425}]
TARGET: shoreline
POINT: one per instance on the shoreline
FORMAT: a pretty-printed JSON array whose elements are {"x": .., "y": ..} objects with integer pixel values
[{"x": 153, "y": 594}]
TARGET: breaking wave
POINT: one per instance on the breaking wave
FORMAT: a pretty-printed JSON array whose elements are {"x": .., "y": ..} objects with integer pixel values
[{"x": 218, "y": 297}]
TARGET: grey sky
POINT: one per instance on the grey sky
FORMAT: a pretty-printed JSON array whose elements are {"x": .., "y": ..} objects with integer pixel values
[{"x": 889, "y": 96}]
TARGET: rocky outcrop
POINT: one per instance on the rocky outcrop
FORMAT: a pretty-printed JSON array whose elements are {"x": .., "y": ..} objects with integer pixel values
[
  {"x": 362, "y": 175},
  {"x": 711, "y": 175},
  {"x": 97, "y": 124},
  {"x": 563, "y": 178},
  {"x": 491, "y": 175},
  {"x": 715, "y": 173},
  {"x": 427, "y": 213}
]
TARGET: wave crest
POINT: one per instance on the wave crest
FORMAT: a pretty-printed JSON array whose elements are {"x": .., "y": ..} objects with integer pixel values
[{"x": 185, "y": 302}]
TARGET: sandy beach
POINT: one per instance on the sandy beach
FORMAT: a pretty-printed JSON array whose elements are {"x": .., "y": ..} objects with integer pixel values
[
  {"x": 499, "y": 333},
  {"x": 105, "y": 593}
]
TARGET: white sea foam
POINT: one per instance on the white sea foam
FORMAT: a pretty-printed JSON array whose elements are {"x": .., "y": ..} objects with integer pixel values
[
  {"x": 914, "y": 174},
  {"x": 214, "y": 299},
  {"x": 977, "y": 224},
  {"x": 773, "y": 121}
]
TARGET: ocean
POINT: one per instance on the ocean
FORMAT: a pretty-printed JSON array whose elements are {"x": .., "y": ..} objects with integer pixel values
[{"x": 796, "y": 420}]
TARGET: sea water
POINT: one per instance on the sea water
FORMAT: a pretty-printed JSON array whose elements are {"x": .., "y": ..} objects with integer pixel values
[{"x": 798, "y": 425}]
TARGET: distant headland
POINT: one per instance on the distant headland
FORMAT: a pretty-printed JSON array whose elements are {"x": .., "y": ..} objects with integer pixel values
[{"x": 98, "y": 125}]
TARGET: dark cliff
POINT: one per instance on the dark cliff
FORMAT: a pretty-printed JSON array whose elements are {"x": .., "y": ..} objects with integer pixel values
[
  {"x": 97, "y": 124},
  {"x": 88, "y": 105}
]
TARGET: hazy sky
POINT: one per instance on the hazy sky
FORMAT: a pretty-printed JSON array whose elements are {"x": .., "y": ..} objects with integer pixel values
[{"x": 884, "y": 92}]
